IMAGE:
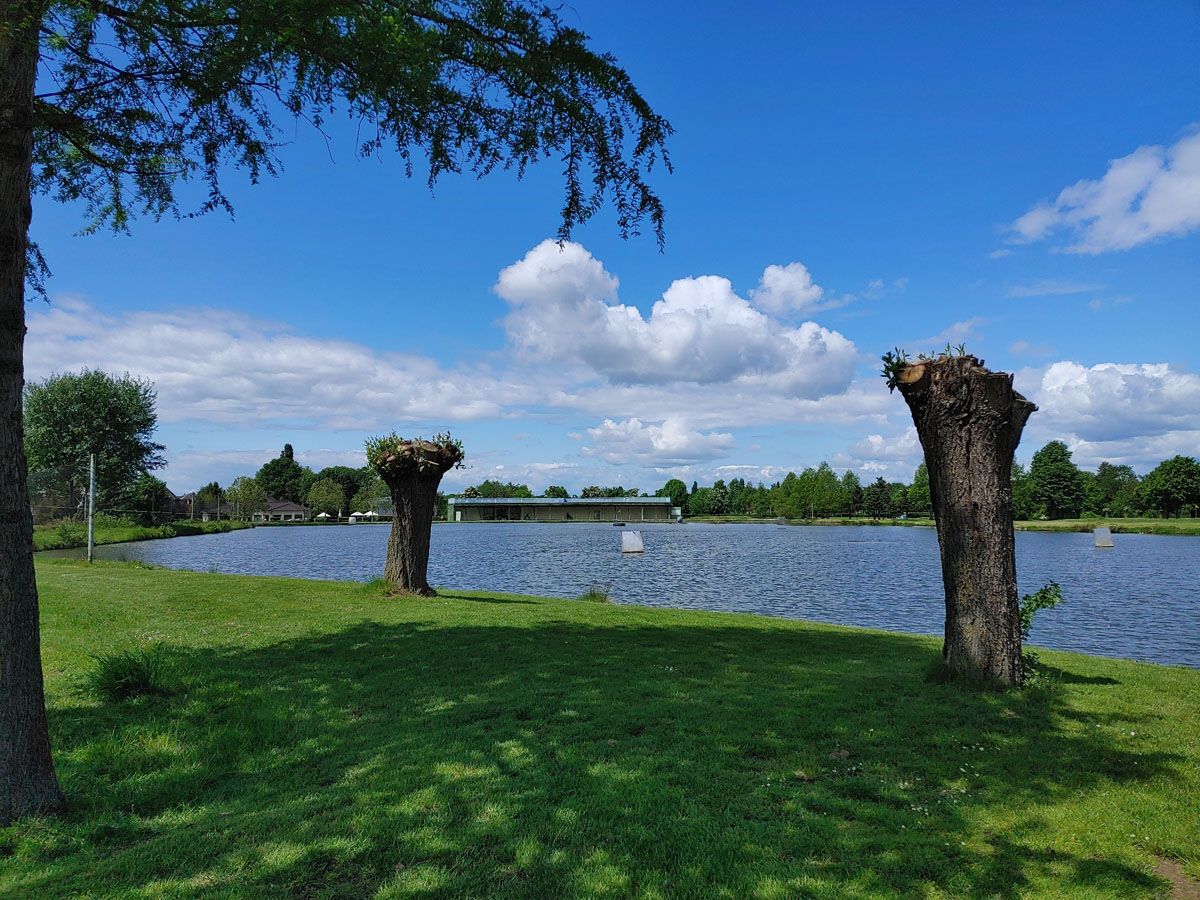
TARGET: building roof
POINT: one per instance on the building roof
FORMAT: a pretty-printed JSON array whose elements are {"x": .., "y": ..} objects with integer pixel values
[
  {"x": 284, "y": 506},
  {"x": 560, "y": 501}
]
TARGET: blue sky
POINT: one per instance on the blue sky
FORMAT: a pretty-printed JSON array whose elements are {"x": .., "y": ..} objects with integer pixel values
[{"x": 1024, "y": 179}]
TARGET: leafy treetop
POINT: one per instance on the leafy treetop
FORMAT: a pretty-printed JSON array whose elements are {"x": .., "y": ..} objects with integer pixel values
[
  {"x": 136, "y": 97},
  {"x": 393, "y": 456}
]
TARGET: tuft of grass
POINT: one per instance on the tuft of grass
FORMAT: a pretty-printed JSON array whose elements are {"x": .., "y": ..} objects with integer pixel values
[
  {"x": 377, "y": 587},
  {"x": 596, "y": 593},
  {"x": 120, "y": 675}
]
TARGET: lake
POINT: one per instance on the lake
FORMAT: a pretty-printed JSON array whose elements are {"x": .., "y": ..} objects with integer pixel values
[{"x": 1139, "y": 600}]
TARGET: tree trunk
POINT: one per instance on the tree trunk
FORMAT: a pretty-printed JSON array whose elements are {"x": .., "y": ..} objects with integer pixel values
[
  {"x": 969, "y": 421},
  {"x": 28, "y": 785},
  {"x": 414, "y": 500}
]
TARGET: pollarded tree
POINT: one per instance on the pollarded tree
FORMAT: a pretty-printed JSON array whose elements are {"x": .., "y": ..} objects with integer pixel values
[
  {"x": 969, "y": 421},
  {"x": 115, "y": 104},
  {"x": 412, "y": 471}
]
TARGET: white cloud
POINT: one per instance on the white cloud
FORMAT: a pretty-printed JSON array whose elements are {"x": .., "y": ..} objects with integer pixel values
[
  {"x": 700, "y": 332},
  {"x": 224, "y": 368},
  {"x": 666, "y": 444},
  {"x": 787, "y": 289},
  {"x": 1152, "y": 193},
  {"x": 893, "y": 457},
  {"x": 999, "y": 254},
  {"x": 1111, "y": 401},
  {"x": 1051, "y": 287}
]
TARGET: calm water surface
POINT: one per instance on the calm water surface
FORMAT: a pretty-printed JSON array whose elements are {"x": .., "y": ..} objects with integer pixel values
[{"x": 1139, "y": 600}]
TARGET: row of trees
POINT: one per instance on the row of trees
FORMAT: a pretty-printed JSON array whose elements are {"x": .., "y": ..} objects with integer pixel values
[
  {"x": 1055, "y": 488},
  {"x": 334, "y": 490}
]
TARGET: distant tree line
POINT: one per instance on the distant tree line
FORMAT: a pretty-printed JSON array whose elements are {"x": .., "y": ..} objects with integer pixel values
[{"x": 1053, "y": 487}]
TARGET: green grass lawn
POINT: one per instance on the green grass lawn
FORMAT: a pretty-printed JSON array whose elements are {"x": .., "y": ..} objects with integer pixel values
[
  {"x": 327, "y": 740},
  {"x": 74, "y": 534}
]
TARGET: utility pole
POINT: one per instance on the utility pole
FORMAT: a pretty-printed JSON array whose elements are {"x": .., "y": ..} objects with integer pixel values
[{"x": 91, "y": 507}]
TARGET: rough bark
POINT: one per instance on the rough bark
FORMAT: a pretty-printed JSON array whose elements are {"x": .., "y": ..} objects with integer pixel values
[
  {"x": 969, "y": 421},
  {"x": 28, "y": 785},
  {"x": 412, "y": 471}
]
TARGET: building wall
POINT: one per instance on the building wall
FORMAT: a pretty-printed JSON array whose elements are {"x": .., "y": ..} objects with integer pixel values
[{"x": 625, "y": 512}]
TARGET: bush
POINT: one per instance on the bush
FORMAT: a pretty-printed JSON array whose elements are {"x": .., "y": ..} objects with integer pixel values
[
  {"x": 107, "y": 520},
  {"x": 125, "y": 674},
  {"x": 597, "y": 593},
  {"x": 1045, "y": 597},
  {"x": 71, "y": 533}
]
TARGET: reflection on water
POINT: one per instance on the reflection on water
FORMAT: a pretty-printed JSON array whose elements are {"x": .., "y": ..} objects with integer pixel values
[{"x": 1139, "y": 600}]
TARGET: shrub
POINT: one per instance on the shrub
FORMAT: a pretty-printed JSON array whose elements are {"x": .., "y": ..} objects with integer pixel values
[
  {"x": 1045, "y": 597},
  {"x": 108, "y": 520},
  {"x": 125, "y": 674},
  {"x": 71, "y": 533},
  {"x": 597, "y": 593}
]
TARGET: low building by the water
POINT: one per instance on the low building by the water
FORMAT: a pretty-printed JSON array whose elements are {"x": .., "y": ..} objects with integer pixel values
[{"x": 555, "y": 509}]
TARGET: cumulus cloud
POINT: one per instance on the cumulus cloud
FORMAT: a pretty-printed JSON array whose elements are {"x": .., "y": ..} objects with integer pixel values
[
  {"x": 670, "y": 442},
  {"x": 221, "y": 367},
  {"x": 563, "y": 308},
  {"x": 788, "y": 289},
  {"x": 1112, "y": 401},
  {"x": 1152, "y": 193}
]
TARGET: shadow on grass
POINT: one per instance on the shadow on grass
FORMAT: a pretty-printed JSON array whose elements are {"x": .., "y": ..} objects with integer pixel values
[{"x": 561, "y": 759}]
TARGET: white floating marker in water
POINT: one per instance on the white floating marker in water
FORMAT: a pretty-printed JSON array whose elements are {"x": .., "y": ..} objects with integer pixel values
[
  {"x": 1102, "y": 537},
  {"x": 631, "y": 542}
]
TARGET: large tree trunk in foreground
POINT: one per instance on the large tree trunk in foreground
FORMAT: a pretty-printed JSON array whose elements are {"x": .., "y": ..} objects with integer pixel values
[
  {"x": 27, "y": 782},
  {"x": 969, "y": 421},
  {"x": 412, "y": 470}
]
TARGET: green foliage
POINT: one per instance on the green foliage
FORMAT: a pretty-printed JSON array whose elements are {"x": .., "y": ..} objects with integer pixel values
[
  {"x": 596, "y": 593},
  {"x": 877, "y": 499},
  {"x": 120, "y": 675},
  {"x": 677, "y": 491},
  {"x": 1173, "y": 486},
  {"x": 326, "y": 496},
  {"x": 493, "y": 489},
  {"x": 210, "y": 494},
  {"x": 247, "y": 496},
  {"x": 1046, "y": 597},
  {"x": 1055, "y": 482},
  {"x": 371, "y": 495},
  {"x": 351, "y": 481},
  {"x": 148, "y": 499},
  {"x": 71, "y": 533},
  {"x": 141, "y": 96},
  {"x": 283, "y": 478},
  {"x": 897, "y": 360},
  {"x": 68, "y": 417},
  {"x": 919, "y": 499},
  {"x": 554, "y": 490},
  {"x": 442, "y": 452}
]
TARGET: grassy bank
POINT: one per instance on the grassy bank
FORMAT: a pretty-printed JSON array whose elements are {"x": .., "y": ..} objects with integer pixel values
[
  {"x": 326, "y": 740},
  {"x": 65, "y": 535},
  {"x": 1118, "y": 526}
]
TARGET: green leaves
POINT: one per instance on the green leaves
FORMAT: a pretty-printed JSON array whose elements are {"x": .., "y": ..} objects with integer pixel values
[{"x": 140, "y": 97}]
